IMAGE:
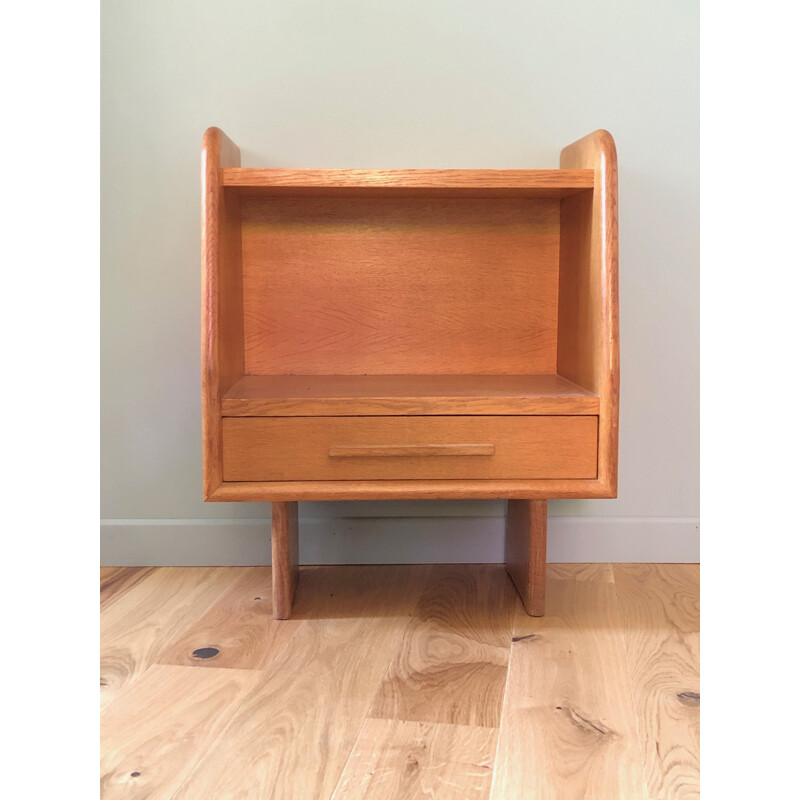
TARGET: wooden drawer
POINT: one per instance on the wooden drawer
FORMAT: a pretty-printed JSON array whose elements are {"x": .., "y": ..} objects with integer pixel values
[{"x": 386, "y": 448}]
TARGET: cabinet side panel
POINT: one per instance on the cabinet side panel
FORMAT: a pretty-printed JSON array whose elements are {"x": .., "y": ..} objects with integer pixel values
[
  {"x": 222, "y": 351},
  {"x": 579, "y": 312},
  {"x": 231, "y": 303},
  {"x": 588, "y": 328},
  {"x": 400, "y": 285}
]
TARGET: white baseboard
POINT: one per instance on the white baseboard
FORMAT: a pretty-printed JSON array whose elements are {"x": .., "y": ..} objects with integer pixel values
[{"x": 395, "y": 540}]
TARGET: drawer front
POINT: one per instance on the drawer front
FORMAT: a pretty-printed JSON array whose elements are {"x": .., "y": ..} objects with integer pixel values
[{"x": 397, "y": 448}]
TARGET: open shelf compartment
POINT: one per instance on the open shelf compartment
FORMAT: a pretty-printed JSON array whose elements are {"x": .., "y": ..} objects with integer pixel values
[
  {"x": 379, "y": 395},
  {"x": 467, "y": 296}
]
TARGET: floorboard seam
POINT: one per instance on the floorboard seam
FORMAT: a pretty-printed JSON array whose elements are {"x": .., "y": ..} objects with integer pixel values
[
  {"x": 639, "y": 732},
  {"x": 503, "y": 715}
]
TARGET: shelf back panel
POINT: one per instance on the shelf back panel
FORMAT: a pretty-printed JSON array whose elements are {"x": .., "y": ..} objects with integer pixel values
[{"x": 344, "y": 285}]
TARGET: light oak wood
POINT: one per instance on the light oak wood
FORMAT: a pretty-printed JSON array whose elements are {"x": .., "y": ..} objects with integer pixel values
[
  {"x": 115, "y": 581},
  {"x": 134, "y": 627},
  {"x": 158, "y": 731},
  {"x": 660, "y": 611},
  {"x": 411, "y": 182},
  {"x": 400, "y": 286},
  {"x": 569, "y": 728},
  {"x": 285, "y": 550},
  {"x": 240, "y": 626},
  {"x": 588, "y": 309},
  {"x": 581, "y": 572},
  {"x": 222, "y": 339},
  {"x": 268, "y": 448},
  {"x": 526, "y": 551},
  {"x": 354, "y": 592},
  {"x": 408, "y": 450},
  {"x": 390, "y": 395},
  {"x": 292, "y": 735},
  {"x": 451, "y": 664},
  {"x": 409, "y": 334},
  {"x": 397, "y": 760},
  {"x": 469, "y": 275},
  {"x": 613, "y": 662},
  {"x": 259, "y": 491}
]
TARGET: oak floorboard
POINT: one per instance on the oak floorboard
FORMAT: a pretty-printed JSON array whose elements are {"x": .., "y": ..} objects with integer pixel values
[
  {"x": 581, "y": 572},
  {"x": 240, "y": 626},
  {"x": 292, "y": 735},
  {"x": 137, "y": 626},
  {"x": 160, "y": 727},
  {"x": 451, "y": 664},
  {"x": 115, "y": 581},
  {"x": 569, "y": 730},
  {"x": 660, "y": 610},
  {"x": 399, "y": 760},
  {"x": 601, "y": 695}
]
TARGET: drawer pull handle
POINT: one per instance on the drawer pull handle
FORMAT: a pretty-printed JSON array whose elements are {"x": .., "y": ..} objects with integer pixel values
[{"x": 394, "y": 450}]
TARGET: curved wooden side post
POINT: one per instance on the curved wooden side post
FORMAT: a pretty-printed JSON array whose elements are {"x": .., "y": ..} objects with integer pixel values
[
  {"x": 588, "y": 308},
  {"x": 284, "y": 558},
  {"x": 526, "y": 551},
  {"x": 222, "y": 348}
]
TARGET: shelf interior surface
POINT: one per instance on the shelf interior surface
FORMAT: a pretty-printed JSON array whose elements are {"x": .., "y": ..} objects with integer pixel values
[
  {"x": 362, "y": 395},
  {"x": 399, "y": 286}
]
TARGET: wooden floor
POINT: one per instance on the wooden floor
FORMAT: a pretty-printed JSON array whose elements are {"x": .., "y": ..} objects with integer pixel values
[{"x": 400, "y": 682}]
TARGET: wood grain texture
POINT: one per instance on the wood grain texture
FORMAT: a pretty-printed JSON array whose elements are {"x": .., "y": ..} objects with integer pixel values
[
  {"x": 526, "y": 551},
  {"x": 571, "y": 716},
  {"x": 157, "y": 732},
  {"x": 268, "y": 448},
  {"x": 412, "y": 182},
  {"x": 363, "y": 271},
  {"x": 569, "y": 727},
  {"x": 375, "y": 395},
  {"x": 451, "y": 664},
  {"x": 409, "y": 450},
  {"x": 581, "y": 572},
  {"x": 292, "y": 736},
  {"x": 222, "y": 348},
  {"x": 115, "y": 581},
  {"x": 399, "y": 286},
  {"x": 397, "y": 760},
  {"x": 239, "y": 625},
  {"x": 137, "y": 626},
  {"x": 588, "y": 308},
  {"x": 285, "y": 550},
  {"x": 660, "y": 611},
  {"x": 261, "y": 491}
]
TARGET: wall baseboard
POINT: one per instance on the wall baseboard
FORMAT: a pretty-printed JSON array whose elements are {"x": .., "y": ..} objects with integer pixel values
[{"x": 394, "y": 540}]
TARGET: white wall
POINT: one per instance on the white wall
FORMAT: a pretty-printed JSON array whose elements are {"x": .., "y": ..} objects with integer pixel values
[{"x": 393, "y": 83}]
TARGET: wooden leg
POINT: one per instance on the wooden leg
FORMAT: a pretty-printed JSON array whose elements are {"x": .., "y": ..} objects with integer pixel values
[
  {"x": 526, "y": 551},
  {"x": 284, "y": 558}
]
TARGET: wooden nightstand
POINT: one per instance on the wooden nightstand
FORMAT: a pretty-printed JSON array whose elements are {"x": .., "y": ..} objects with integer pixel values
[{"x": 379, "y": 334}]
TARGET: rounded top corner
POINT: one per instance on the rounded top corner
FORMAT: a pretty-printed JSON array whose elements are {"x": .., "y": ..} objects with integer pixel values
[
  {"x": 212, "y": 135},
  {"x": 591, "y": 151},
  {"x": 605, "y": 136}
]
